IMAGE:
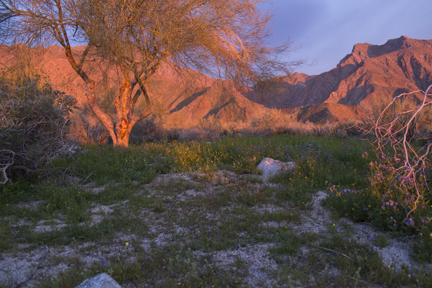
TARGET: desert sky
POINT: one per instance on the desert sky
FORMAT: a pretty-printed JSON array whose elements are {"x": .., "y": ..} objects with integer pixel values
[{"x": 326, "y": 30}]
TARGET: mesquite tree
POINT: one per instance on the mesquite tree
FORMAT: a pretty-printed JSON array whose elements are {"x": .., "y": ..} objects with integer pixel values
[{"x": 226, "y": 38}]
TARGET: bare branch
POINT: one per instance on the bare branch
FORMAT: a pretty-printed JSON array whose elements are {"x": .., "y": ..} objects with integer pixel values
[
  {"x": 35, "y": 270},
  {"x": 397, "y": 135},
  {"x": 9, "y": 162},
  {"x": 329, "y": 250}
]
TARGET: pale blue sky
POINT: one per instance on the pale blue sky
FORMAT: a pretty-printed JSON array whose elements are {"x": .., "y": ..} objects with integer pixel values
[{"x": 327, "y": 30}]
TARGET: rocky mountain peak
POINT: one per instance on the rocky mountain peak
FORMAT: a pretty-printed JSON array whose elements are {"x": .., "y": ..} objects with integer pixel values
[
  {"x": 397, "y": 44},
  {"x": 369, "y": 75},
  {"x": 363, "y": 51}
]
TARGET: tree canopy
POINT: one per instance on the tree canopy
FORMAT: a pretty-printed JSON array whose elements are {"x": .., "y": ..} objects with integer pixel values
[{"x": 222, "y": 38}]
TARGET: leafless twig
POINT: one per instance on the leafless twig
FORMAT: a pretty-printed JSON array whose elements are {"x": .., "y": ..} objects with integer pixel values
[
  {"x": 10, "y": 161},
  {"x": 409, "y": 237},
  {"x": 82, "y": 183},
  {"x": 356, "y": 279},
  {"x": 353, "y": 278},
  {"x": 329, "y": 250},
  {"x": 35, "y": 270}
]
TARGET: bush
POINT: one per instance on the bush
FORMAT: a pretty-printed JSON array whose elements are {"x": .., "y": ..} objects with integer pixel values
[
  {"x": 399, "y": 193},
  {"x": 34, "y": 122}
]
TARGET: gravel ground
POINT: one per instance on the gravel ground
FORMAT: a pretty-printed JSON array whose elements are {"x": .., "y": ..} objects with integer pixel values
[{"x": 46, "y": 262}]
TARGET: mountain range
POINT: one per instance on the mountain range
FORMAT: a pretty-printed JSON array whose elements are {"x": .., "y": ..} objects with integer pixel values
[{"x": 363, "y": 80}]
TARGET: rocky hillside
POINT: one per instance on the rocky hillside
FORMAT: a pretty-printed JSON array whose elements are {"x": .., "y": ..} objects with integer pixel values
[
  {"x": 184, "y": 96},
  {"x": 369, "y": 76},
  {"x": 364, "y": 79}
]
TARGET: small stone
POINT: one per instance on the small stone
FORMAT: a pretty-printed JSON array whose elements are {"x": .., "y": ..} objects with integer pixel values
[
  {"x": 99, "y": 281},
  {"x": 270, "y": 167}
]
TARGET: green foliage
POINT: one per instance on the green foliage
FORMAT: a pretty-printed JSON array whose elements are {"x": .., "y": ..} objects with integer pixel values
[{"x": 19, "y": 191}]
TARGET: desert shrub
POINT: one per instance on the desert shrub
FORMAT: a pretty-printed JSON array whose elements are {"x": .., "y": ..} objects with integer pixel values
[
  {"x": 339, "y": 130},
  {"x": 277, "y": 122},
  {"x": 86, "y": 129},
  {"x": 144, "y": 130},
  {"x": 198, "y": 133},
  {"x": 398, "y": 195},
  {"x": 403, "y": 169},
  {"x": 34, "y": 122}
]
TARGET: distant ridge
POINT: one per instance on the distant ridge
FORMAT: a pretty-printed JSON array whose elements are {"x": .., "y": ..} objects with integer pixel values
[{"x": 368, "y": 76}]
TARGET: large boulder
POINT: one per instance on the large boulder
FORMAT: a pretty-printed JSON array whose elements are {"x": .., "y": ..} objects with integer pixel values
[
  {"x": 99, "y": 281},
  {"x": 270, "y": 167}
]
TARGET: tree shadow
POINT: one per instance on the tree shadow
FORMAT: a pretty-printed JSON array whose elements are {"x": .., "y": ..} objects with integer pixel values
[{"x": 188, "y": 100}]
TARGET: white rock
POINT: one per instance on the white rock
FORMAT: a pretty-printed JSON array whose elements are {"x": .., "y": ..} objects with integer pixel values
[
  {"x": 270, "y": 167},
  {"x": 99, "y": 281}
]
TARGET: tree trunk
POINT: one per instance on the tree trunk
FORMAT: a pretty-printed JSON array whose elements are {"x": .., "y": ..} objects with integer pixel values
[
  {"x": 90, "y": 92},
  {"x": 124, "y": 104},
  {"x": 123, "y": 129},
  {"x": 125, "y": 113},
  {"x": 100, "y": 114}
]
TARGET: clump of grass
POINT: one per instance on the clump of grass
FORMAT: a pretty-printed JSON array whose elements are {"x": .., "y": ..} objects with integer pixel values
[
  {"x": 287, "y": 216},
  {"x": 381, "y": 241},
  {"x": 288, "y": 241},
  {"x": 157, "y": 207}
]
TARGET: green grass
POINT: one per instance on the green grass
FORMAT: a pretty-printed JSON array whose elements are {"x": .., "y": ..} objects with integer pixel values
[{"x": 200, "y": 212}]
